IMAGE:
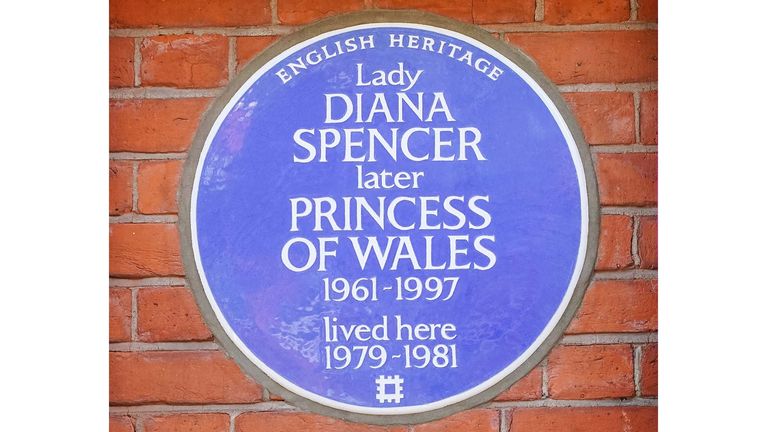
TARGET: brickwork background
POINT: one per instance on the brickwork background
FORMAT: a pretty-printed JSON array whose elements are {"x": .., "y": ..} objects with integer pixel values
[{"x": 169, "y": 59}]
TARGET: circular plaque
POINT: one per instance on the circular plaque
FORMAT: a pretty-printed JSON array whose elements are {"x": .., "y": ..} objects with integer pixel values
[{"x": 389, "y": 217}]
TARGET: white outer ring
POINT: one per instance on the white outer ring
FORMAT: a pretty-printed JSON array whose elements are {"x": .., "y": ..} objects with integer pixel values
[{"x": 457, "y": 397}]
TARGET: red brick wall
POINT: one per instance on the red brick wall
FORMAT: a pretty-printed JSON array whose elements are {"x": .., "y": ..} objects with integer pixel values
[{"x": 169, "y": 59}]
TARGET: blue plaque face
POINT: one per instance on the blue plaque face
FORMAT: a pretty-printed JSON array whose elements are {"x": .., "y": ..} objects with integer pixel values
[{"x": 388, "y": 219}]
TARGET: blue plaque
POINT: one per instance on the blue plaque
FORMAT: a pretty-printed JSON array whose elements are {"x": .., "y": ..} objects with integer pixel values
[{"x": 389, "y": 217}]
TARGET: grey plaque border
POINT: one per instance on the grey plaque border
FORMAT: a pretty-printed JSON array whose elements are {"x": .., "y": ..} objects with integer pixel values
[{"x": 348, "y": 20}]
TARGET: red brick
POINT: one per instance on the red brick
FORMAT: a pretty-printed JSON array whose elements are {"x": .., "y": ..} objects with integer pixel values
[
  {"x": 186, "y": 377},
  {"x": 649, "y": 118},
  {"x": 627, "y": 179},
  {"x": 618, "y": 306},
  {"x": 608, "y": 419},
  {"x": 119, "y": 315},
  {"x": 296, "y": 421},
  {"x": 480, "y": 420},
  {"x": 249, "y": 46},
  {"x": 649, "y": 371},
  {"x": 605, "y": 118},
  {"x": 169, "y": 314},
  {"x": 648, "y": 10},
  {"x": 615, "y": 249},
  {"x": 527, "y": 388},
  {"x": 120, "y": 187},
  {"x": 306, "y": 11},
  {"x": 592, "y": 57},
  {"x": 214, "y": 422},
  {"x": 458, "y": 9},
  {"x": 591, "y": 372},
  {"x": 154, "y": 125},
  {"x": 503, "y": 11},
  {"x": 120, "y": 62},
  {"x": 184, "y": 61},
  {"x": 141, "y": 250},
  {"x": 120, "y": 424},
  {"x": 158, "y": 183},
  {"x": 585, "y": 12},
  {"x": 188, "y": 13},
  {"x": 648, "y": 242}
]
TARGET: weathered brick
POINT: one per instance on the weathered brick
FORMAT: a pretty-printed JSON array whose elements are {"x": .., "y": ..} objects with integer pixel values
[
  {"x": 120, "y": 424},
  {"x": 169, "y": 314},
  {"x": 154, "y": 125},
  {"x": 527, "y": 388},
  {"x": 648, "y": 242},
  {"x": 604, "y": 117},
  {"x": 503, "y": 11},
  {"x": 120, "y": 187},
  {"x": 649, "y": 118},
  {"x": 119, "y": 314},
  {"x": 585, "y": 12},
  {"x": 188, "y": 13},
  {"x": 306, "y": 11},
  {"x": 186, "y": 377},
  {"x": 615, "y": 249},
  {"x": 292, "y": 422},
  {"x": 158, "y": 182},
  {"x": 121, "y": 62},
  {"x": 592, "y": 57},
  {"x": 141, "y": 250},
  {"x": 649, "y": 370},
  {"x": 209, "y": 422},
  {"x": 479, "y": 420},
  {"x": 184, "y": 61},
  {"x": 648, "y": 10},
  {"x": 591, "y": 372},
  {"x": 607, "y": 419},
  {"x": 458, "y": 9},
  {"x": 248, "y": 46},
  {"x": 627, "y": 179},
  {"x": 618, "y": 306}
]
